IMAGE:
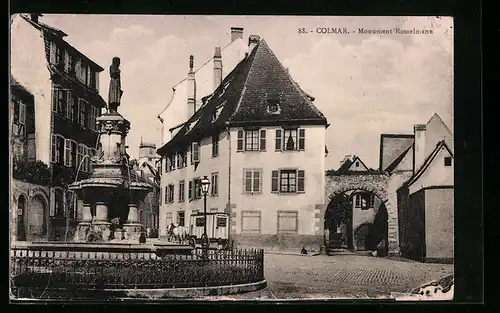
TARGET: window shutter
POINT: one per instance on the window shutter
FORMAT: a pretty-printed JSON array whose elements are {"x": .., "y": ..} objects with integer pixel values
[
  {"x": 301, "y": 181},
  {"x": 97, "y": 81},
  {"x": 53, "y": 48},
  {"x": 66, "y": 61},
  {"x": 22, "y": 113},
  {"x": 69, "y": 104},
  {"x": 55, "y": 97},
  {"x": 262, "y": 140},
  {"x": 275, "y": 181},
  {"x": 190, "y": 190},
  {"x": 196, "y": 152},
  {"x": 67, "y": 152},
  {"x": 166, "y": 194},
  {"x": 78, "y": 69},
  {"x": 239, "y": 143},
  {"x": 167, "y": 164},
  {"x": 302, "y": 139},
  {"x": 53, "y": 154},
  {"x": 279, "y": 140}
]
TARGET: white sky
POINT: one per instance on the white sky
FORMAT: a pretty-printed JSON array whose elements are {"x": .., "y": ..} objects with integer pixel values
[{"x": 365, "y": 85}]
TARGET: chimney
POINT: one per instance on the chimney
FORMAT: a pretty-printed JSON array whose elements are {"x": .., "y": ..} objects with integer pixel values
[
  {"x": 191, "y": 89},
  {"x": 419, "y": 146},
  {"x": 217, "y": 67},
  {"x": 34, "y": 17},
  {"x": 236, "y": 32},
  {"x": 253, "y": 40}
]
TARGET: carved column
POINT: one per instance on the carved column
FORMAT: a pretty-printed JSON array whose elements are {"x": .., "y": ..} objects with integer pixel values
[{"x": 84, "y": 225}]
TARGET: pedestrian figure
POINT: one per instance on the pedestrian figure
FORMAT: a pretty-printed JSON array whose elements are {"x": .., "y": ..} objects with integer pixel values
[
  {"x": 142, "y": 238},
  {"x": 304, "y": 250}
]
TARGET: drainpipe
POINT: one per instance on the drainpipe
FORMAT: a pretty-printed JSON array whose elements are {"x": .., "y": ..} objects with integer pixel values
[{"x": 229, "y": 184}]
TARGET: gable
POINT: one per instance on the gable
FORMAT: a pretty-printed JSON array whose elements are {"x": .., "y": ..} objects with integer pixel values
[
  {"x": 434, "y": 172},
  {"x": 435, "y": 131},
  {"x": 358, "y": 166}
]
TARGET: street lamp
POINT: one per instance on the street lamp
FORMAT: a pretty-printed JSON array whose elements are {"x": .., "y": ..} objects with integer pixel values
[{"x": 205, "y": 183}]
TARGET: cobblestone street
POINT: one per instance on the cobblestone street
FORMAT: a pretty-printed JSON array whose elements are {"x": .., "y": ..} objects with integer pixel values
[{"x": 345, "y": 276}]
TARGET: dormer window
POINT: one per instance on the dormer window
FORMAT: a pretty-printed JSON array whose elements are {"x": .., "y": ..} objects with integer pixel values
[
  {"x": 273, "y": 106},
  {"x": 216, "y": 113}
]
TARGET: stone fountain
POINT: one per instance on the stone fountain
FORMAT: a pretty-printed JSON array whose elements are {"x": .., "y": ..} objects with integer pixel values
[{"x": 109, "y": 192}]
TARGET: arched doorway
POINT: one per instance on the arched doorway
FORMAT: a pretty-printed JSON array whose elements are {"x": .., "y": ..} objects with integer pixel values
[
  {"x": 36, "y": 222},
  {"x": 357, "y": 220},
  {"x": 363, "y": 237},
  {"x": 21, "y": 211}
]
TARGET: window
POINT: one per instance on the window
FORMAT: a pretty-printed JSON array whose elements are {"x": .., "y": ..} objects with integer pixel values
[
  {"x": 170, "y": 193},
  {"x": 59, "y": 99},
  {"x": 250, "y": 221},
  {"x": 287, "y": 221},
  {"x": 252, "y": 181},
  {"x": 447, "y": 161},
  {"x": 96, "y": 75},
  {"x": 239, "y": 143},
  {"x": 288, "y": 181},
  {"x": 215, "y": 145},
  {"x": 94, "y": 114},
  {"x": 196, "y": 152},
  {"x": 357, "y": 201},
  {"x": 70, "y": 153},
  {"x": 290, "y": 139},
  {"x": 197, "y": 188},
  {"x": 273, "y": 106},
  {"x": 83, "y": 111},
  {"x": 200, "y": 222},
  {"x": 179, "y": 160},
  {"x": 81, "y": 73},
  {"x": 182, "y": 191},
  {"x": 190, "y": 190},
  {"x": 170, "y": 163},
  {"x": 251, "y": 140},
  {"x": 73, "y": 112},
  {"x": 59, "y": 56},
  {"x": 57, "y": 144},
  {"x": 184, "y": 156},
  {"x": 19, "y": 127},
  {"x": 214, "y": 186},
  {"x": 180, "y": 218},
  {"x": 166, "y": 194},
  {"x": 69, "y": 63}
]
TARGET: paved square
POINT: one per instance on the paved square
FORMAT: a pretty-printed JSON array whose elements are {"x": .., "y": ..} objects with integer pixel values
[{"x": 345, "y": 275}]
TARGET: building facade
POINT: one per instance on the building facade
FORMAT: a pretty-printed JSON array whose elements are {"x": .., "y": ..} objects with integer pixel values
[
  {"x": 425, "y": 200},
  {"x": 148, "y": 168},
  {"x": 261, "y": 141},
  {"x": 64, "y": 84}
]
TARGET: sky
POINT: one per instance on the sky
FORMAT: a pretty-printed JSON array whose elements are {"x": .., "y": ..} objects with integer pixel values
[{"x": 365, "y": 85}]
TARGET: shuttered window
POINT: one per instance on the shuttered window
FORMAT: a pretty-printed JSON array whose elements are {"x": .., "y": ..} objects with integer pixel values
[
  {"x": 252, "y": 180},
  {"x": 262, "y": 140},
  {"x": 287, "y": 221},
  {"x": 250, "y": 221},
  {"x": 278, "y": 140},
  {"x": 302, "y": 139}
]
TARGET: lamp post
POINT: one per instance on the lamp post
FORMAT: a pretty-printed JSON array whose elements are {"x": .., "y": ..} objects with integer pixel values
[{"x": 205, "y": 183}]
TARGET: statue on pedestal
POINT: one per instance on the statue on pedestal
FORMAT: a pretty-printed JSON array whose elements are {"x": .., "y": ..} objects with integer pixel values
[{"x": 115, "y": 91}]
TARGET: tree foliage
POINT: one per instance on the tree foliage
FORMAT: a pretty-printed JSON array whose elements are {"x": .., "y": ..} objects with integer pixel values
[{"x": 32, "y": 172}]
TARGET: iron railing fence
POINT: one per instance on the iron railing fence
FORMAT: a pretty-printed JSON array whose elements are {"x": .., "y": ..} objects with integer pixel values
[{"x": 44, "y": 268}]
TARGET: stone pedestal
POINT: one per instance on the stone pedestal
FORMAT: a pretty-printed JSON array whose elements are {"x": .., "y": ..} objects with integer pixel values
[
  {"x": 132, "y": 228},
  {"x": 84, "y": 226}
]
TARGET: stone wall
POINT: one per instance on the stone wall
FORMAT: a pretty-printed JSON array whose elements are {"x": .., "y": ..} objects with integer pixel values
[{"x": 376, "y": 183}]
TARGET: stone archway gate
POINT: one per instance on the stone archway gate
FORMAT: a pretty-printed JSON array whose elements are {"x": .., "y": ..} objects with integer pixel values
[{"x": 377, "y": 183}]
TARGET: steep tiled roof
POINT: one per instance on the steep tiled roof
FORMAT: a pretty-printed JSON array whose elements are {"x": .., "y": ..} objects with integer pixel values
[
  {"x": 428, "y": 161},
  {"x": 391, "y": 147},
  {"x": 15, "y": 85},
  {"x": 243, "y": 96},
  {"x": 345, "y": 167}
]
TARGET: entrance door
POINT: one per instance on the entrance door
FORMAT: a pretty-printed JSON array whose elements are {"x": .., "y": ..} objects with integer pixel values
[{"x": 36, "y": 221}]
